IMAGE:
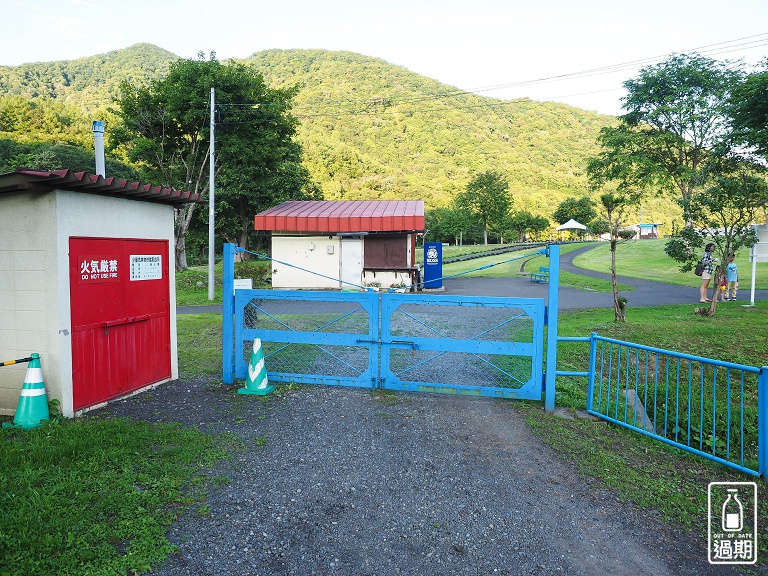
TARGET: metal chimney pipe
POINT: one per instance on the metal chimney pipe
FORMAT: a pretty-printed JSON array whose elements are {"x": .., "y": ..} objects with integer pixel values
[{"x": 98, "y": 146}]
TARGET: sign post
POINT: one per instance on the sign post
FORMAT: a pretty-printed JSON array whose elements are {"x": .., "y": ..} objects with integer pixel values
[
  {"x": 758, "y": 253},
  {"x": 433, "y": 266}
]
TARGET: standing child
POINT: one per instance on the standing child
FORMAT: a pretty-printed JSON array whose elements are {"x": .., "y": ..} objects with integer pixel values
[
  {"x": 732, "y": 277},
  {"x": 723, "y": 289}
]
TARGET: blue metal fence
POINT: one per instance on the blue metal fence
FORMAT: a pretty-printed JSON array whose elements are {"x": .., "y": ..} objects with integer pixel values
[
  {"x": 718, "y": 410},
  {"x": 464, "y": 345}
]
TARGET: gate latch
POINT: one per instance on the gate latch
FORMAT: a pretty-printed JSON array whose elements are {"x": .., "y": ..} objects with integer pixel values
[{"x": 405, "y": 343}]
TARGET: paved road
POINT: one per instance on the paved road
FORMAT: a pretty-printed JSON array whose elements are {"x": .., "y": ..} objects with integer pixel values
[{"x": 645, "y": 293}]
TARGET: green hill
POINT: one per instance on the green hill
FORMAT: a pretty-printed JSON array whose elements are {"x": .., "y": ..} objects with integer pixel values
[
  {"x": 372, "y": 129},
  {"x": 89, "y": 83},
  {"x": 369, "y": 129}
]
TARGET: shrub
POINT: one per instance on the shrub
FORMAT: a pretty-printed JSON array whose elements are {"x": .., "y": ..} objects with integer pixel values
[{"x": 257, "y": 270}]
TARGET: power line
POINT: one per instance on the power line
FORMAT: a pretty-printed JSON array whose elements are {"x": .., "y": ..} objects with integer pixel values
[
  {"x": 748, "y": 42},
  {"x": 360, "y": 107}
]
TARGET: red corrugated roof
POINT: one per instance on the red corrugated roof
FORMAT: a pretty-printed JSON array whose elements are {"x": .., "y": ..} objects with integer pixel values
[
  {"x": 32, "y": 180},
  {"x": 343, "y": 216}
]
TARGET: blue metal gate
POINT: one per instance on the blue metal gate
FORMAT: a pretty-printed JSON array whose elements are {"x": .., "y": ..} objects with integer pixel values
[
  {"x": 481, "y": 346},
  {"x": 463, "y": 345},
  {"x": 467, "y": 345}
]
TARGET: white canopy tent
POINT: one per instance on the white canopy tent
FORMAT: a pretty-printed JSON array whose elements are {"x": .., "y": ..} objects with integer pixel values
[{"x": 571, "y": 225}]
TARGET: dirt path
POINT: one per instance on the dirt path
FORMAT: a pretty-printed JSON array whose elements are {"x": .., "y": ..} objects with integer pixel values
[{"x": 416, "y": 484}]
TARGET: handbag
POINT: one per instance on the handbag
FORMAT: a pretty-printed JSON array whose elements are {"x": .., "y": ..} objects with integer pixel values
[{"x": 699, "y": 268}]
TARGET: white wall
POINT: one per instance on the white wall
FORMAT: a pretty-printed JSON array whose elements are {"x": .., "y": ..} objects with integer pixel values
[
  {"x": 34, "y": 278},
  {"x": 28, "y": 292},
  {"x": 310, "y": 253}
]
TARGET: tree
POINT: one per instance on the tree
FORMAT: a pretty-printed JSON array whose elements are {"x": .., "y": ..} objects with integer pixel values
[
  {"x": 602, "y": 170},
  {"x": 598, "y": 227},
  {"x": 614, "y": 207},
  {"x": 487, "y": 196},
  {"x": 538, "y": 226},
  {"x": 452, "y": 224},
  {"x": 677, "y": 116},
  {"x": 166, "y": 128},
  {"x": 734, "y": 192},
  {"x": 264, "y": 178},
  {"x": 580, "y": 209},
  {"x": 749, "y": 111},
  {"x": 523, "y": 223}
]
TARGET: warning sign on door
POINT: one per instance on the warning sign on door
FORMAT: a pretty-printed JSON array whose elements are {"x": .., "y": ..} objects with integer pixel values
[
  {"x": 98, "y": 269},
  {"x": 146, "y": 267}
]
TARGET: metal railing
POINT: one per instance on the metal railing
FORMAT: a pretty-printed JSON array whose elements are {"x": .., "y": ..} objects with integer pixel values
[{"x": 715, "y": 409}]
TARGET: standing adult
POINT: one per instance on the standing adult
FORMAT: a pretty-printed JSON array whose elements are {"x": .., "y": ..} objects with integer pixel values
[{"x": 709, "y": 268}]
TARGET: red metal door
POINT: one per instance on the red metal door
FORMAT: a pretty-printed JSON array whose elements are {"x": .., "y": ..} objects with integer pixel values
[{"x": 120, "y": 307}]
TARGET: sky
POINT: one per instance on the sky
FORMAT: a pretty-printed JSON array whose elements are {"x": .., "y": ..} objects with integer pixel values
[{"x": 578, "y": 52}]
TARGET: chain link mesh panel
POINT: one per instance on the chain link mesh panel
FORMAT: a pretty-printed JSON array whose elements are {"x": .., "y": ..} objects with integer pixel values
[
  {"x": 471, "y": 323},
  {"x": 301, "y": 316},
  {"x": 336, "y": 339},
  {"x": 462, "y": 322},
  {"x": 306, "y": 316}
]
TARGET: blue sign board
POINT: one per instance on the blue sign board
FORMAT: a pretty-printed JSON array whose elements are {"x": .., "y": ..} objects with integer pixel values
[{"x": 433, "y": 265}]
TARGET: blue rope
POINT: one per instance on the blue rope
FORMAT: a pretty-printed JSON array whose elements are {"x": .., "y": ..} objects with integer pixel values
[
  {"x": 265, "y": 257},
  {"x": 407, "y": 287}
]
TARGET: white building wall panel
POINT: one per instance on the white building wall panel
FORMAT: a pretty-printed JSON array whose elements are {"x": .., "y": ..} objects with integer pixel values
[
  {"x": 316, "y": 255},
  {"x": 27, "y": 266}
]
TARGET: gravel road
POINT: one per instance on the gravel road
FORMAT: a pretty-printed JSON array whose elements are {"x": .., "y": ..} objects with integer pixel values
[{"x": 419, "y": 484}]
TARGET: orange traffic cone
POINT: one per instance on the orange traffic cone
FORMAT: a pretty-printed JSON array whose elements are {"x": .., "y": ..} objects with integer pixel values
[
  {"x": 257, "y": 382},
  {"x": 33, "y": 402}
]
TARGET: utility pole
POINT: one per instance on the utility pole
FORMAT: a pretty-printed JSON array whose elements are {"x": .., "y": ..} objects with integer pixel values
[{"x": 211, "y": 193}]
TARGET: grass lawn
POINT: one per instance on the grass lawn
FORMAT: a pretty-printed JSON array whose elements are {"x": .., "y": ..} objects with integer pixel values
[
  {"x": 96, "y": 496},
  {"x": 646, "y": 259},
  {"x": 510, "y": 265}
]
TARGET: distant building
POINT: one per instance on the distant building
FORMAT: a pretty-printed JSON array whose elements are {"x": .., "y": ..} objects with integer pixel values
[
  {"x": 343, "y": 244},
  {"x": 646, "y": 231},
  {"x": 642, "y": 231}
]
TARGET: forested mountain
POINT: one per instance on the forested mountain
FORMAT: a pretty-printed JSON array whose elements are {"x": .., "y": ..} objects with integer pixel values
[
  {"x": 89, "y": 83},
  {"x": 369, "y": 129}
]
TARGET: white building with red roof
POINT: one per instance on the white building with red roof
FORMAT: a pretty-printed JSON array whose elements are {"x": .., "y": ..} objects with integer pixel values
[{"x": 343, "y": 244}]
